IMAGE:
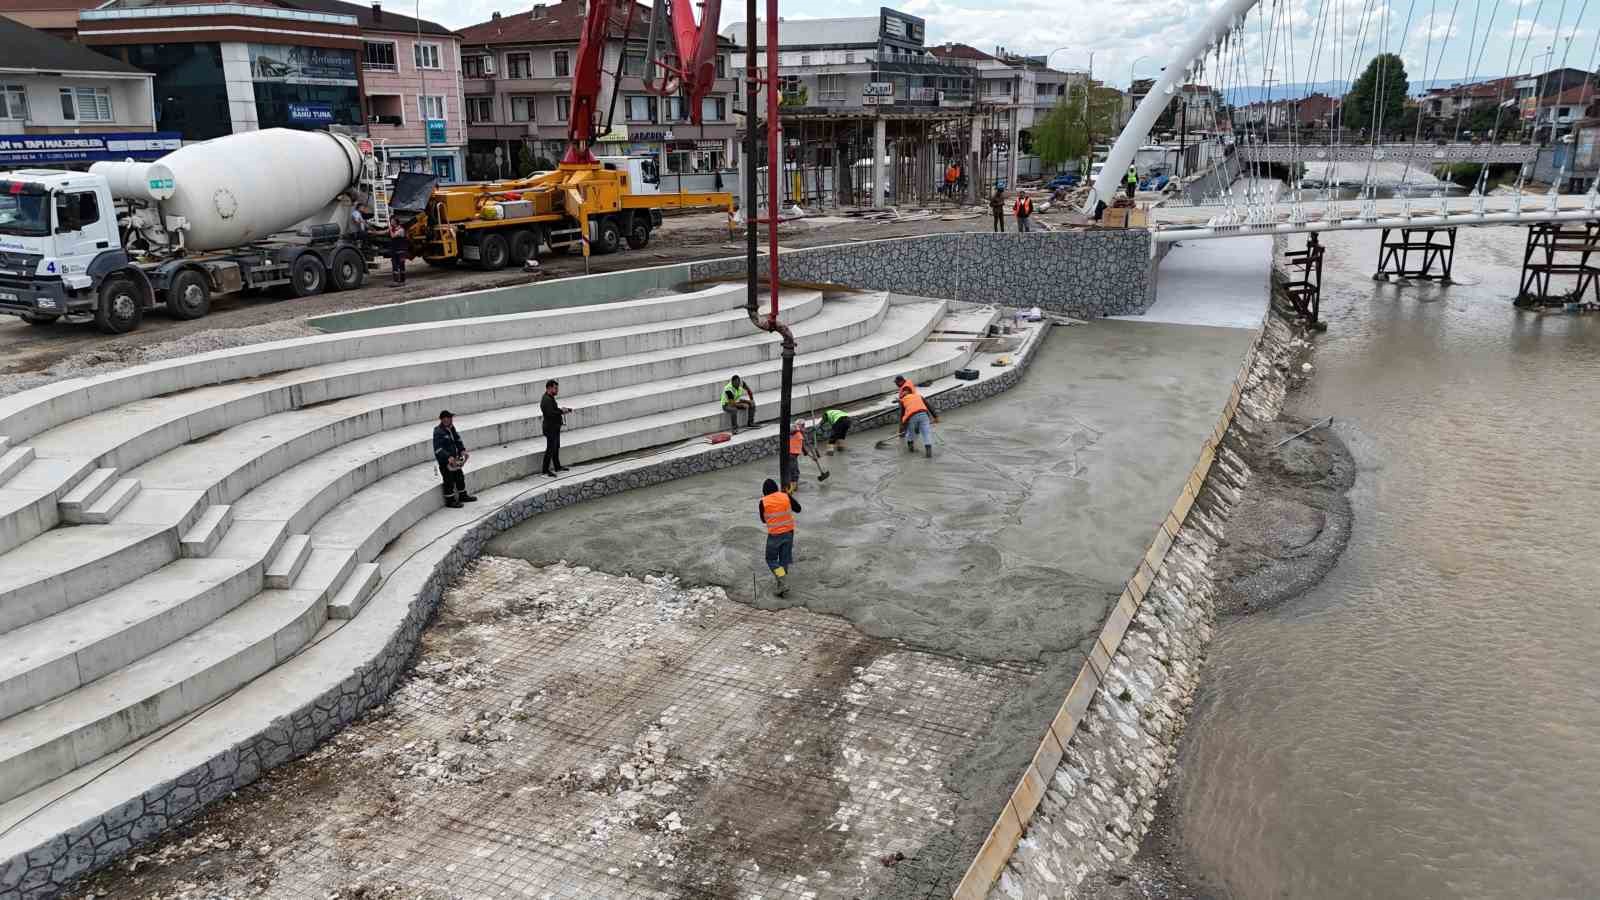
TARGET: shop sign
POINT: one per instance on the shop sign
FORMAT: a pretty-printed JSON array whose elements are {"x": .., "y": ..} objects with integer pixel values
[
  {"x": 311, "y": 113},
  {"x": 276, "y": 63},
  {"x": 647, "y": 136},
  {"x": 45, "y": 149},
  {"x": 436, "y": 132}
]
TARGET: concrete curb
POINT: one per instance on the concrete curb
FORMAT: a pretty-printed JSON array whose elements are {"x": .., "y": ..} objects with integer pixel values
[
  {"x": 360, "y": 685},
  {"x": 986, "y": 867}
]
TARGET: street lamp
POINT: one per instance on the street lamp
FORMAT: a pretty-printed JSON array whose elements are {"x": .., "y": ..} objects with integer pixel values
[{"x": 1133, "y": 65}]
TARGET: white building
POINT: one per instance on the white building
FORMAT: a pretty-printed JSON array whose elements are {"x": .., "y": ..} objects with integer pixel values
[{"x": 49, "y": 86}]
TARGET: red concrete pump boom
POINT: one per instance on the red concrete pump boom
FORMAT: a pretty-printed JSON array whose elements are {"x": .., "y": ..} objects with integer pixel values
[{"x": 691, "y": 68}]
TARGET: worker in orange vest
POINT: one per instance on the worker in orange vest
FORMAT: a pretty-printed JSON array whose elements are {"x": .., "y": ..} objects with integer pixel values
[
  {"x": 916, "y": 417},
  {"x": 797, "y": 449},
  {"x": 1023, "y": 210},
  {"x": 951, "y": 175},
  {"x": 777, "y": 509}
]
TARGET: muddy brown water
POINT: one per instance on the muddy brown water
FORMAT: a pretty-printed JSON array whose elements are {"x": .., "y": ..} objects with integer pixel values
[{"x": 1424, "y": 722}]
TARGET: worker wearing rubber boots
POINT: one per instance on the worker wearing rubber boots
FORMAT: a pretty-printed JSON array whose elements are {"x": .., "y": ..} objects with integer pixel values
[
  {"x": 916, "y": 417},
  {"x": 736, "y": 395},
  {"x": 777, "y": 509},
  {"x": 838, "y": 427},
  {"x": 797, "y": 449}
]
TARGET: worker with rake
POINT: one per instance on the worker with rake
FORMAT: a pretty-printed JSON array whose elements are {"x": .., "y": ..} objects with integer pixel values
[{"x": 802, "y": 443}]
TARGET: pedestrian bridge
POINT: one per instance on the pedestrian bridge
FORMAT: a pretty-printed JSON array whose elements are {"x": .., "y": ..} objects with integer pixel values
[{"x": 1417, "y": 153}]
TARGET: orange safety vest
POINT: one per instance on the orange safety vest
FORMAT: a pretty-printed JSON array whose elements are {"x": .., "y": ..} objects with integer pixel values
[
  {"x": 777, "y": 512},
  {"x": 911, "y": 403},
  {"x": 797, "y": 443},
  {"x": 1024, "y": 206}
]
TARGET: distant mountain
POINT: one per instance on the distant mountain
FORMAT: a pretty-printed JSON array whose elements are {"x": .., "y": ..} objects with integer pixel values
[{"x": 1247, "y": 94}]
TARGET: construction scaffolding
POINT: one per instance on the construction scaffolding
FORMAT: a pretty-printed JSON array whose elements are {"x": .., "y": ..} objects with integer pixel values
[
  {"x": 1550, "y": 250},
  {"x": 1434, "y": 247},
  {"x": 828, "y": 158}
]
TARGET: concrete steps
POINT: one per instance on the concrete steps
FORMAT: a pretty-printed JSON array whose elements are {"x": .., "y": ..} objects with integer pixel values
[
  {"x": 229, "y": 463},
  {"x": 227, "y": 523},
  {"x": 78, "y": 426},
  {"x": 14, "y": 461}
]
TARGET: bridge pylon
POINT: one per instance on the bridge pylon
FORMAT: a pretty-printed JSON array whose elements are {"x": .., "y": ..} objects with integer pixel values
[
  {"x": 1417, "y": 254},
  {"x": 1560, "y": 249}
]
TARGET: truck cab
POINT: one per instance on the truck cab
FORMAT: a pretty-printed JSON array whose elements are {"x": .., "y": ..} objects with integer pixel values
[
  {"x": 644, "y": 174},
  {"x": 58, "y": 240}
]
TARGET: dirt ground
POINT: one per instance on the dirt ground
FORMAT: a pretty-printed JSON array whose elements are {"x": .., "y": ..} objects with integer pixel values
[
  {"x": 30, "y": 349},
  {"x": 567, "y": 733}
]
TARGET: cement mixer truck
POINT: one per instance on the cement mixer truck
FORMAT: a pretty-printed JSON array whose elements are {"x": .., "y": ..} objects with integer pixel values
[{"x": 260, "y": 210}]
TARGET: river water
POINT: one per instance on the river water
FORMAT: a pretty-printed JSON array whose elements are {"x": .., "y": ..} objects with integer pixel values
[{"x": 1426, "y": 721}]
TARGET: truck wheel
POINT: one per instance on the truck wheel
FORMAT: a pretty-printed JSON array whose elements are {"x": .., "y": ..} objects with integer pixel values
[
  {"x": 39, "y": 319},
  {"x": 639, "y": 234},
  {"x": 307, "y": 277},
  {"x": 493, "y": 252},
  {"x": 349, "y": 270},
  {"x": 188, "y": 297},
  {"x": 610, "y": 236},
  {"x": 120, "y": 309},
  {"x": 524, "y": 246}
]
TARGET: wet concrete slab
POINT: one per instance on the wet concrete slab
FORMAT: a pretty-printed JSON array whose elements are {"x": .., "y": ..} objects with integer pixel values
[
  {"x": 1010, "y": 543},
  {"x": 1007, "y": 548}
]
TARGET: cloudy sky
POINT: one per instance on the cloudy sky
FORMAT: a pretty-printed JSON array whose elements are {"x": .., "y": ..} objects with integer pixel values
[{"x": 1137, "y": 37}]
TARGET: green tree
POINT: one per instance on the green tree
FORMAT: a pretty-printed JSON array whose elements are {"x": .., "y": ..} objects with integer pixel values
[
  {"x": 1381, "y": 87},
  {"x": 1068, "y": 131}
]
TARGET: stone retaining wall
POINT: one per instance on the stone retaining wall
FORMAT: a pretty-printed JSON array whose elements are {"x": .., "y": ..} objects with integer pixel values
[
  {"x": 1085, "y": 273},
  {"x": 1090, "y": 784},
  {"x": 48, "y": 869}
]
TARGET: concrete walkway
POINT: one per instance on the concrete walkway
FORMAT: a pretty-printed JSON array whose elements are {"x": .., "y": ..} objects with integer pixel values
[{"x": 1222, "y": 283}]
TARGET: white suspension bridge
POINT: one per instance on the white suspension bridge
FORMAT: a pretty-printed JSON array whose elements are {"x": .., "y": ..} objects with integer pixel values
[{"x": 1232, "y": 42}]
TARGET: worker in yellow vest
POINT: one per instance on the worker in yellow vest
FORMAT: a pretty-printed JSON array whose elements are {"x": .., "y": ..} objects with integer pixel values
[
  {"x": 1131, "y": 180},
  {"x": 777, "y": 509}
]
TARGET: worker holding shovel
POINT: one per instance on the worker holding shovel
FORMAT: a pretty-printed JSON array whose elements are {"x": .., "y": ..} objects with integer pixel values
[{"x": 777, "y": 509}]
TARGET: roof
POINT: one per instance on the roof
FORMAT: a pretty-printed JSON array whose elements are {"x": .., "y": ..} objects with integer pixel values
[
  {"x": 1583, "y": 93},
  {"x": 22, "y": 47},
  {"x": 959, "y": 51},
  {"x": 365, "y": 17},
  {"x": 548, "y": 23},
  {"x": 845, "y": 32}
]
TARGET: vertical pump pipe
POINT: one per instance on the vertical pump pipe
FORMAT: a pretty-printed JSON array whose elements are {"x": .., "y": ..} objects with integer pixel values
[{"x": 753, "y": 78}]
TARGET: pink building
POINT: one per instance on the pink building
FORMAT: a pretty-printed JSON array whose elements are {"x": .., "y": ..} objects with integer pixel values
[{"x": 411, "y": 77}]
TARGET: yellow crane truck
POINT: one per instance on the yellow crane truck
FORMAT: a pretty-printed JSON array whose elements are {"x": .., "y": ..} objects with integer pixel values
[{"x": 597, "y": 207}]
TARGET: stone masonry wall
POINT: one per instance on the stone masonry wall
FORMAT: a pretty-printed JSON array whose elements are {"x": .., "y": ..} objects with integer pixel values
[
  {"x": 46, "y": 870},
  {"x": 1087, "y": 274}
]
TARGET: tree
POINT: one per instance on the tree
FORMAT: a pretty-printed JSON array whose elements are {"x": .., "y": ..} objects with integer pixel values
[
  {"x": 1067, "y": 132},
  {"x": 1382, "y": 88}
]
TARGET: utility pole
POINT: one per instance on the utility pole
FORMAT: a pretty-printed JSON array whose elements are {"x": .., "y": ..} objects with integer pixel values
[{"x": 422, "y": 88}]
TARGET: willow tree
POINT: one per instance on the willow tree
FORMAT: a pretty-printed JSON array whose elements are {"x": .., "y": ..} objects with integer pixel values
[{"x": 1068, "y": 131}]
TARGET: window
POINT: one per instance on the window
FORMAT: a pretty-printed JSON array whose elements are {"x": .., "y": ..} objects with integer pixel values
[
  {"x": 431, "y": 107},
  {"x": 560, "y": 61},
  {"x": 522, "y": 109},
  {"x": 426, "y": 56},
  {"x": 722, "y": 66},
  {"x": 563, "y": 108},
  {"x": 473, "y": 67},
  {"x": 74, "y": 211},
  {"x": 86, "y": 104},
  {"x": 379, "y": 55},
  {"x": 713, "y": 109},
  {"x": 480, "y": 109},
  {"x": 633, "y": 64},
  {"x": 849, "y": 56},
  {"x": 641, "y": 108},
  {"x": 385, "y": 109},
  {"x": 13, "y": 102},
  {"x": 519, "y": 65},
  {"x": 805, "y": 60},
  {"x": 675, "y": 111}
]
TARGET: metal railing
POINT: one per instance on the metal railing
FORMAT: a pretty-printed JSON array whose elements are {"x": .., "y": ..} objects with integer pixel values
[{"x": 215, "y": 9}]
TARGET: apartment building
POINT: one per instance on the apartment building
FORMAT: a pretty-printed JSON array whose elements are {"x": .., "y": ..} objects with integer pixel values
[
  {"x": 1015, "y": 85},
  {"x": 228, "y": 67},
  {"x": 62, "y": 104},
  {"x": 517, "y": 74}
]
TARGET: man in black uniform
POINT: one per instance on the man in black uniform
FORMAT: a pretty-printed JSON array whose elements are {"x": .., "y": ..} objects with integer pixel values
[
  {"x": 550, "y": 414},
  {"x": 451, "y": 455}
]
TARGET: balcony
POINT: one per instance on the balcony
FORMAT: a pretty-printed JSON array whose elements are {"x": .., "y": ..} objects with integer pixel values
[
  {"x": 392, "y": 121},
  {"x": 379, "y": 67}
]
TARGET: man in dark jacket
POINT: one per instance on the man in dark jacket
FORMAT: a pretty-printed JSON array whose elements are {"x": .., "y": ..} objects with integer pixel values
[
  {"x": 451, "y": 455},
  {"x": 997, "y": 205},
  {"x": 550, "y": 414}
]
